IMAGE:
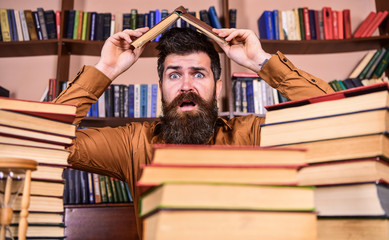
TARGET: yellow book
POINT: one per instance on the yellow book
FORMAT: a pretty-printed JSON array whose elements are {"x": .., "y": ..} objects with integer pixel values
[{"x": 5, "y": 32}]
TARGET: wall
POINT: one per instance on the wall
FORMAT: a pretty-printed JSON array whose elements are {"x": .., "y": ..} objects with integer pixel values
[{"x": 26, "y": 77}]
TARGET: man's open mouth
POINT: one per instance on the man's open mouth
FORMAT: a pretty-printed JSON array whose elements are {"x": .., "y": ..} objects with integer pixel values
[{"x": 187, "y": 105}]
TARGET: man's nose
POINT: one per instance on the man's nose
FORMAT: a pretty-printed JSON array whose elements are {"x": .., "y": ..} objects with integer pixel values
[{"x": 187, "y": 83}]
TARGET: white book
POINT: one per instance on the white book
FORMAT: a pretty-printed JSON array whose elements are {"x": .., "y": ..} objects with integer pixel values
[
  {"x": 18, "y": 25},
  {"x": 112, "y": 25},
  {"x": 126, "y": 107},
  {"x": 23, "y": 24},
  {"x": 275, "y": 96},
  {"x": 149, "y": 98},
  {"x": 285, "y": 19},
  {"x": 101, "y": 105},
  {"x": 136, "y": 100},
  {"x": 264, "y": 96}
]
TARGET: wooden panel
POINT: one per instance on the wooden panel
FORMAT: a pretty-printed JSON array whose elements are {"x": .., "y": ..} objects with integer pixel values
[
  {"x": 28, "y": 48},
  {"x": 100, "y": 222},
  {"x": 112, "y": 121}
]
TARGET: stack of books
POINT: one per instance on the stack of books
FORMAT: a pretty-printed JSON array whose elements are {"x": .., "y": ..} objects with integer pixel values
[
  {"x": 346, "y": 134},
  {"x": 39, "y": 131},
  {"x": 218, "y": 192}
]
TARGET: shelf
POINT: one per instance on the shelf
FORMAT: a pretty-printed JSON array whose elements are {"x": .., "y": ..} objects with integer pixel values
[
  {"x": 112, "y": 121},
  {"x": 99, "y": 205},
  {"x": 325, "y": 46},
  {"x": 29, "y": 48}
]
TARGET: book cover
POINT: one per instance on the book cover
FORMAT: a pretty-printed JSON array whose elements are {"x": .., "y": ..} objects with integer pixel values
[
  {"x": 375, "y": 63},
  {"x": 30, "y": 25},
  {"x": 70, "y": 19},
  {"x": 154, "y": 99},
  {"x": 265, "y": 25},
  {"x": 106, "y": 25},
  {"x": 347, "y": 23},
  {"x": 382, "y": 65},
  {"x": 50, "y": 24},
  {"x": 214, "y": 17},
  {"x": 37, "y": 25},
  {"x": 376, "y": 21},
  {"x": 42, "y": 22}
]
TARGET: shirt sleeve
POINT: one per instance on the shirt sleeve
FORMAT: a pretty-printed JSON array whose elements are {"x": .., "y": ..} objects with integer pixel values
[
  {"x": 291, "y": 82},
  {"x": 84, "y": 90}
]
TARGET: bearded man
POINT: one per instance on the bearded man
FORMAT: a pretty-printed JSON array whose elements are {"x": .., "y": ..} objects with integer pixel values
[{"x": 190, "y": 82}]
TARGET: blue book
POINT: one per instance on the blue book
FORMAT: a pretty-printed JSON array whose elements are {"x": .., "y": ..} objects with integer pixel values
[
  {"x": 12, "y": 25},
  {"x": 158, "y": 18},
  {"x": 312, "y": 23},
  {"x": 131, "y": 100},
  {"x": 250, "y": 96},
  {"x": 91, "y": 189},
  {"x": 213, "y": 17},
  {"x": 275, "y": 22},
  {"x": 143, "y": 100},
  {"x": 265, "y": 25},
  {"x": 70, "y": 23},
  {"x": 93, "y": 22},
  {"x": 154, "y": 99},
  {"x": 151, "y": 20},
  {"x": 126, "y": 20}
]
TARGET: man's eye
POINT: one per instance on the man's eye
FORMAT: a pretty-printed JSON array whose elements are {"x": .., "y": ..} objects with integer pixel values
[
  {"x": 199, "y": 75},
  {"x": 174, "y": 76}
]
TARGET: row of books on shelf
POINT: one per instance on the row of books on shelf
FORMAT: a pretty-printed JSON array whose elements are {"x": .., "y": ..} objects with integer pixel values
[
  {"x": 39, "y": 131},
  {"x": 322, "y": 173},
  {"x": 309, "y": 24},
  {"x": 88, "y": 188},
  {"x": 25, "y": 25},
  {"x": 134, "y": 100},
  {"x": 252, "y": 94}
]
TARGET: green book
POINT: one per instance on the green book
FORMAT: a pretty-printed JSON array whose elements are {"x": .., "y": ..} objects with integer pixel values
[
  {"x": 301, "y": 23},
  {"x": 124, "y": 193},
  {"x": 134, "y": 19},
  {"x": 341, "y": 84},
  {"x": 334, "y": 85},
  {"x": 382, "y": 65},
  {"x": 103, "y": 189},
  {"x": 118, "y": 190},
  {"x": 114, "y": 192},
  {"x": 84, "y": 25},
  {"x": 109, "y": 189},
  {"x": 362, "y": 75},
  {"x": 76, "y": 20},
  {"x": 375, "y": 64}
]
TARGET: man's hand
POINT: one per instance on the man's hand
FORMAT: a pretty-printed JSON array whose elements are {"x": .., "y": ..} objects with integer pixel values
[
  {"x": 117, "y": 54},
  {"x": 244, "y": 48}
]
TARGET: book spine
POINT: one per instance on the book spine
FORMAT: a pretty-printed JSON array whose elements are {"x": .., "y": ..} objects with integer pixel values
[
  {"x": 116, "y": 100},
  {"x": 232, "y": 14},
  {"x": 50, "y": 24},
  {"x": 42, "y": 22},
  {"x": 312, "y": 24},
  {"x": 84, "y": 187},
  {"x": 237, "y": 95},
  {"x": 115, "y": 196},
  {"x": 362, "y": 27},
  {"x": 215, "y": 21},
  {"x": 93, "y": 26},
  {"x": 107, "y": 17},
  {"x": 18, "y": 26},
  {"x": 376, "y": 62},
  {"x": 23, "y": 24},
  {"x": 96, "y": 188},
  {"x": 154, "y": 99},
  {"x": 108, "y": 187},
  {"x": 121, "y": 100},
  {"x": 327, "y": 22},
  {"x": 12, "y": 24},
  {"x": 37, "y": 25},
  {"x": 244, "y": 97},
  {"x": 118, "y": 190},
  {"x": 307, "y": 24},
  {"x": 91, "y": 191},
  {"x": 383, "y": 64},
  {"x": 5, "y": 30},
  {"x": 77, "y": 186},
  {"x": 126, "y": 21},
  {"x": 131, "y": 100},
  {"x": 137, "y": 100},
  {"x": 149, "y": 97},
  {"x": 250, "y": 96},
  {"x": 143, "y": 100},
  {"x": 79, "y": 26},
  {"x": 123, "y": 191},
  {"x": 347, "y": 23},
  {"x": 70, "y": 23},
  {"x": 275, "y": 23},
  {"x": 103, "y": 189},
  {"x": 84, "y": 25},
  {"x": 58, "y": 23}
]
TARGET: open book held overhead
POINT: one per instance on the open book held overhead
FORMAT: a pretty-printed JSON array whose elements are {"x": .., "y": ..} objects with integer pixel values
[{"x": 179, "y": 12}]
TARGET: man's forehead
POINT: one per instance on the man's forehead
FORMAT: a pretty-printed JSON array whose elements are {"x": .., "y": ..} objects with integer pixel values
[{"x": 192, "y": 60}]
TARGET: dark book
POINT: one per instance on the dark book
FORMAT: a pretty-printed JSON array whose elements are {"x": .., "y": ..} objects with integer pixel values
[
  {"x": 128, "y": 192},
  {"x": 37, "y": 25},
  {"x": 114, "y": 192},
  {"x": 131, "y": 101},
  {"x": 232, "y": 14},
  {"x": 382, "y": 65},
  {"x": 99, "y": 33},
  {"x": 50, "y": 24},
  {"x": 348, "y": 83},
  {"x": 88, "y": 26},
  {"x": 357, "y": 82},
  {"x": 30, "y": 25},
  {"x": 84, "y": 187},
  {"x": 369, "y": 73},
  {"x": 70, "y": 15},
  {"x": 116, "y": 99},
  {"x": 312, "y": 24},
  {"x": 118, "y": 190},
  {"x": 103, "y": 189},
  {"x": 141, "y": 20},
  {"x": 66, "y": 177},
  {"x": 301, "y": 23},
  {"x": 42, "y": 21},
  {"x": 250, "y": 96},
  {"x": 204, "y": 16},
  {"x": 213, "y": 16},
  {"x": 3, "y": 91},
  {"x": 121, "y": 100},
  {"x": 146, "y": 19},
  {"x": 93, "y": 26},
  {"x": 126, "y": 20},
  {"x": 151, "y": 20},
  {"x": 71, "y": 186},
  {"x": 1, "y": 35},
  {"x": 90, "y": 185},
  {"x": 366, "y": 69},
  {"x": 77, "y": 186},
  {"x": 109, "y": 102},
  {"x": 143, "y": 100},
  {"x": 107, "y": 25}
]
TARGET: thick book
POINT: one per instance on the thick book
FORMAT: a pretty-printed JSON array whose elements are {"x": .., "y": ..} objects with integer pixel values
[
  {"x": 227, "y": 196},
  {"x": 41, "y": 203},
  {"x": 358, "y": 147},
  {"x": 327, "y": 23},
  {"x": 42, "y": 231},
  {"x": 47, "y": 187},
  {"x": 372, "y": 121},
  {"x": 179, "y": 12},
  {"x": 216, "y": 155},
  {"x": 56, "y": 111},
  {"x": 40, "y": 217},
  {"x": 50, "y": 20},
  {"x": 346, "y": 101},
  {"x": 208, "y": 224},
  {"x": 366, "y": 199},
  {"x": 343, "y": 228},
  {"x": 22, "y": 140},
  {"x": 344, "y": 172}
]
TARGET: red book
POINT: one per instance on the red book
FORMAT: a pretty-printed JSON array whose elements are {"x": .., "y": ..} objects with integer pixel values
[
  {"x": 375, "y": 23},
  {"x": 340, "y": 25},
  {"x": 364, "y": 25},
  {"x": 244, "y": 74},
  {"x": 58, "y": 22},
  {"x": 335, "y": 24},
  {"x": 306, "y": 23},
  {"x": 327, "y": 22},
  {"x": 347, "y": 24}
]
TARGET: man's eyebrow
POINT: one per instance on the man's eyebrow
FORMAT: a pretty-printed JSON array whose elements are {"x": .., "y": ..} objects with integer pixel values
[
  {"x": 173, "y": 67},
  {"x": 192, "y": 68}
]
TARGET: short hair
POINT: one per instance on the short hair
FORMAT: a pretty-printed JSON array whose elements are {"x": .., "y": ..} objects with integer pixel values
[{"x": 184, "y": 41}]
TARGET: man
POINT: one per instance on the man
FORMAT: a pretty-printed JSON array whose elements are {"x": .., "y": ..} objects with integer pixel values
[{"x": 189, "y": 72}]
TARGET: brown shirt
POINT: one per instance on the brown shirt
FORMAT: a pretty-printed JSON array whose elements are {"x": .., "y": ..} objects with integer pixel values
[{"x": 120, "y": 152}]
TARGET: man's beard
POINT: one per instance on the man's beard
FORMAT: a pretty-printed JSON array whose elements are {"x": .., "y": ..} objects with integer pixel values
[{"x": 188, "y": 127}]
